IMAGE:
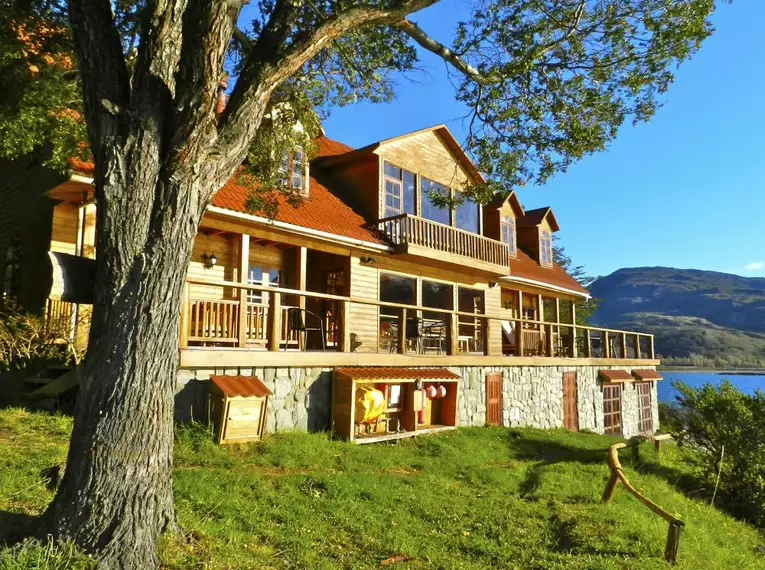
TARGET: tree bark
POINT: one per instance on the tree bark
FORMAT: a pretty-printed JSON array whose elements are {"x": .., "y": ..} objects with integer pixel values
[{"x": 116, "y": 496}]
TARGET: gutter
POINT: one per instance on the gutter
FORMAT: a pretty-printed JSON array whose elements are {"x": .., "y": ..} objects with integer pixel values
[{"x": 544, "y": 285}]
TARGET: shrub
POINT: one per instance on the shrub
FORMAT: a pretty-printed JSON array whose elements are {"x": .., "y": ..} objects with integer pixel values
[{"x": 723, "y": 416}]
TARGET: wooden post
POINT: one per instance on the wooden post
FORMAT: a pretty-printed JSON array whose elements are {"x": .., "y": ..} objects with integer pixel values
[
  {"x": 183, "y": 337},
  {"x": 556, "y": 317},
  {"x": 650, "y": 347},
  {"x": 402, "y": 332},
  {"x": 613, "y": 482},
  {"x": 244, "y": 266},
  {"x": 623, "y": 345},
  {"x": 606, "y": 345},
  {"x": 587, "y": 344},
  {"x": 345, "y": 322},
  {"x": 549, "y": 344},
  {"x": 274, "y": 320},
  {"x": 452, "y": 332},
  {"x": 301, "y": 277},
  {"x": 489, "y": 328},
  {"x": 572, "y": 347},
  {"x": 673, "y": 542},
  {"x": 637, "y": 346}
]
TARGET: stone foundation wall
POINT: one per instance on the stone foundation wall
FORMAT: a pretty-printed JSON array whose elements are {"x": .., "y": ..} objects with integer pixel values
[{"x": 531, "y": 396}]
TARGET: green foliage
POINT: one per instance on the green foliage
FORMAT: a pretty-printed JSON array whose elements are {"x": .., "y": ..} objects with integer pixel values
[
  {"x": 40, "y": 102},
  {"x": 475, "y": 498},
  {"x": 723, "y": 422},
  {"x": 25, "y": 337}
]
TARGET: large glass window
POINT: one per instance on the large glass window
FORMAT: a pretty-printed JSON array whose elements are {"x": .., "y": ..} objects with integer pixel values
[
  {"x": 437, "y": 295},
  {"x": 259, "y": 275},
  {"x": 399, "y": 191},
  {"x": 466, "y": 216},
  {"x": 545, "y": 248},
  {"x": 507, "y": 225},
  {"x": 394, "y": 289},
  {"x": 429, "y": 210},
  {"x": 470, "y": 338}
]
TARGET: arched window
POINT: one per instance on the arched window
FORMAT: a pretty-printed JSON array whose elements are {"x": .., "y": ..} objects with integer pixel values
[{"x": 12, "y": 270}]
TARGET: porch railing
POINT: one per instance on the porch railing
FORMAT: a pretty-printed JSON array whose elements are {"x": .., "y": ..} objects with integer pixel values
[
  {"x": 228, "y": 322},
  {"x": 406, "y": 229}
]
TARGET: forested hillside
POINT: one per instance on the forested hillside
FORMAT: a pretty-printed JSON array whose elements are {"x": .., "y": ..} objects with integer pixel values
[{"x": 699, "y": 317}]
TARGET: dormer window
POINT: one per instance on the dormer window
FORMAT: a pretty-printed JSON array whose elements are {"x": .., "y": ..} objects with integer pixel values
[
  {"x": 507, "y": 224},
  {"x": 545, "y": 248},
  {"x": 399, "y": 191},
  {"x": 291, "y": 171}
]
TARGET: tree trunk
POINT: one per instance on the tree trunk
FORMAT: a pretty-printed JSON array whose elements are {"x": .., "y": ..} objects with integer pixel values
[{"x": 116, "y": 496}]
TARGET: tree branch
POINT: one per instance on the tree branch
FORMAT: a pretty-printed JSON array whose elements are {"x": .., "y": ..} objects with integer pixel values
[
  {"x": 271, "y": 61},
  {"x": 417, "y": 34},
  {"x": 105, "y": 79}
]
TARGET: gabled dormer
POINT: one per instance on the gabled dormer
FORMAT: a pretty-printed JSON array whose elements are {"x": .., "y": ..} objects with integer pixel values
[
  {"x": 500, "y": 219},
  {"x": 535, "y": 231}
]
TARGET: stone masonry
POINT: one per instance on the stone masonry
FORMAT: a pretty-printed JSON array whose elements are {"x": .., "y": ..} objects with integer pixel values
[{"x": 531, "y": 396}]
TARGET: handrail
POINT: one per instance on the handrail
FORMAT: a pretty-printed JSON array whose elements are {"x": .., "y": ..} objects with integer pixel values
[
  {"x": 617, "y": 475},
  {"x": 439, "y": 224},
  {"x": 361, "y": 301}
]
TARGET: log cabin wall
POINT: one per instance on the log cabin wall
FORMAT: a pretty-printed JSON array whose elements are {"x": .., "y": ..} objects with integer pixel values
[
  {"x": 364, "y": 320},
  {"x": 63, "y": 237},
  {"x": 223, "y": 247},
  {"x": 26, "y": 215}
]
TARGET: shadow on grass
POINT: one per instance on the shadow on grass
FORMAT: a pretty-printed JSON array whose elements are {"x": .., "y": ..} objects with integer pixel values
[{"x": 15, "y": 527}]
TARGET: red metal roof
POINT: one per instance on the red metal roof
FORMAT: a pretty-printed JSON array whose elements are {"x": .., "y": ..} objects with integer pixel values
[
  {"x": 396, "y": 373},
  {"x": 243, "y": 386},
  {"x": 646, "y": 374},
  {"x": 523, "y": 266},
  {"x": 615, "y": 375}
]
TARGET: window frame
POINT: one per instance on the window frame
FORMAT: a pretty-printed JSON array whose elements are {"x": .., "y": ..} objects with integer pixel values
[
  {"x": 613, "y": 417},
  {"x": 506, "y": 221},
  {"x": 286, "y": 171},
  {"x": 645, "y": 406},
  {"x": 545, "y": 248}
]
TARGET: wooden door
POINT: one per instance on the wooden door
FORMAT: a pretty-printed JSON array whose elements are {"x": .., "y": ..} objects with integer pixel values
[
  {"x": 570, "y": 412},
  {"x": 494, "y": 398}
]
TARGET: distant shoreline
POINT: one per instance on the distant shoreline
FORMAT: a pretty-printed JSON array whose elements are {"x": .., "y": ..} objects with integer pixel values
[{"x": 719, "y": 371}]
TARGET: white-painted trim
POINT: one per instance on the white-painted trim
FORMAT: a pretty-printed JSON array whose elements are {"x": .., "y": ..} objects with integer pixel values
[
  {"x": 299, "y": 229},
  {"x": 544, "y": 285}
]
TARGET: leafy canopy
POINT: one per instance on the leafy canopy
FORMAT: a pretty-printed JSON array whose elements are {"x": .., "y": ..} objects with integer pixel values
[{"x": 546, "y": 82}]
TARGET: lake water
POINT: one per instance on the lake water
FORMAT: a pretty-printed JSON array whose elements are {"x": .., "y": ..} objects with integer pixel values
[{"x": 744, "y": 383}]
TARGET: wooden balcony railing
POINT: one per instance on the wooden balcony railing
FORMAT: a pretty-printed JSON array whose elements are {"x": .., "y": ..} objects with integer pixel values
[
  {"x": 226, "y": 322},
  {"x": 405, "y": 229}
]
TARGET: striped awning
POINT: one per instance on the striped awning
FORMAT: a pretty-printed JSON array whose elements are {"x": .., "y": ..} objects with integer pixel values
[
  {"x": 392, "y": 373},
  {"x": 614, "y": 376},
  {"x": 646, "y": 375}
]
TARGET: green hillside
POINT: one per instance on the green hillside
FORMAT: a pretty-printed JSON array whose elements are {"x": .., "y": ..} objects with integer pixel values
[{"x": 699, "y": 317}]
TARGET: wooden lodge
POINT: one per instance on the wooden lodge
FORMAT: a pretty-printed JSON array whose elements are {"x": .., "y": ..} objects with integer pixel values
[{"x": 367, "y": 272}]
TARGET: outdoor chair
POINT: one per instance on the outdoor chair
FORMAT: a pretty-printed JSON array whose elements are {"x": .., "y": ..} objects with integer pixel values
[{"x": 296, "y": 323}]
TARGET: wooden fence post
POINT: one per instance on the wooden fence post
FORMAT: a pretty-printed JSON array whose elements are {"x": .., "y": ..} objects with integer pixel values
[{"x": 673, "y": 542}]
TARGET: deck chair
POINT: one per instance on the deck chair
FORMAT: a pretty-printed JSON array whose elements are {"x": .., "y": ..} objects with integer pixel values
[{"x": 296, "y": 323}]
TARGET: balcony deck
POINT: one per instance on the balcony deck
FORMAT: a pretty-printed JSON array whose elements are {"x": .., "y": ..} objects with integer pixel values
[{"x": 421, "y": 238}]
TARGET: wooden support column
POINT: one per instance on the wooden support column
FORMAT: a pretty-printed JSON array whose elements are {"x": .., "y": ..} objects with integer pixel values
[
  {"x": 519, "y": 326},
  {"x": 489, "y": 330},
  {"x": 243, "y": 269},
  {"x": 452, "y": 333},
  {"x": 402, "y": 332},
  {"x": 183, "y": 337},
  {"x": 623, "y": 345},
  {"x": 556, "y": 318},
  {"x": 650, "y": 347},
  {"x": 274, "y": 320},
  {"x": 637, "y": 346},
  {"x": 606, "y": 345},
  {"x": 301, "y": 266},
  {"x": 345, "y": 322},
  {"x": 572, "y": 348}
]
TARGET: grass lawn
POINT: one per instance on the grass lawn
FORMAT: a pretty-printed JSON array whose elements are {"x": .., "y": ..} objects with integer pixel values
[{"x": 475, "y": 498}]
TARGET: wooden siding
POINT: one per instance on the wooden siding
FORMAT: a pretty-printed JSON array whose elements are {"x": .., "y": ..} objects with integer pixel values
[
  {"x": 223, "y": 247},
  {"x": 364, "y": 318},
  {"x": 363, "y": 178},
  {"x": 63, "y": 237},
  {"x": 492, "y": 306},
  {"x": 26, "y": 215},
  {"x": 426, "y": 155}
]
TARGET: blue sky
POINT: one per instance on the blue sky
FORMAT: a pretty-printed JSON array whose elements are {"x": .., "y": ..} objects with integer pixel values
[{"x": 685, "y": 190}]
